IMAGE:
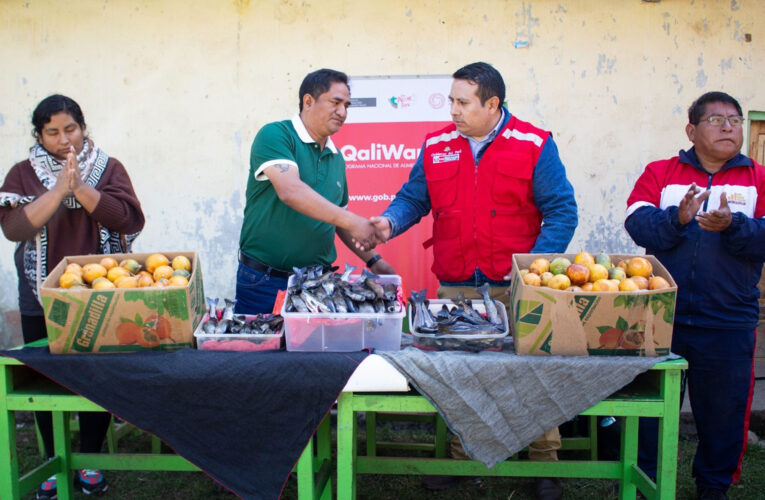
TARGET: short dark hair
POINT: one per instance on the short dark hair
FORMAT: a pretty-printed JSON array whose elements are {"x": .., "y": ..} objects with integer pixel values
[
  {"x": 51, "y": 105},
  {"x": 488, "y": 79},
  {"x": 699, "y": 106},
  {"x": 319, "y": 81}
]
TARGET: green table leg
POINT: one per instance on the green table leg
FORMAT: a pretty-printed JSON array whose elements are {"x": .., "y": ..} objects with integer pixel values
[
  {"x": 346, "y": 447},
  {"x": 666, "y": 479},
  {"x": 62, "y": 447},
  {"x": 628, "y": 457},
  {"x": 371, "y": 420},
  {"x": 9, "y": 461}
]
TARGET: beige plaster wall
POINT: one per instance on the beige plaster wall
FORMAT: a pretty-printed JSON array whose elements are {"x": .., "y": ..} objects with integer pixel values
[{"x": 177, "y": 89}]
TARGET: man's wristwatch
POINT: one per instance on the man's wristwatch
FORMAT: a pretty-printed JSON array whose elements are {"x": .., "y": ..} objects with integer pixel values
[{"x": 371, "y": 262}]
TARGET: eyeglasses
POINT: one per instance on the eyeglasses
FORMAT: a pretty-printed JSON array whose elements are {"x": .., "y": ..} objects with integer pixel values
[{"x": 719, "y": 120}]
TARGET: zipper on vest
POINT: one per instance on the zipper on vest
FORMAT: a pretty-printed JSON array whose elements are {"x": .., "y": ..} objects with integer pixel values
[{"x": 709, "y": 186}]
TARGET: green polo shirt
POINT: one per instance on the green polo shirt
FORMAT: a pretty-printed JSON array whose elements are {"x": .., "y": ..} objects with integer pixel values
[{"x": 274, "y": 233}]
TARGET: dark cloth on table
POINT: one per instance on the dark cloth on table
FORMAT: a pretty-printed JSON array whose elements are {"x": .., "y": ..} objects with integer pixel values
[
  {"x": 498, "y": 402},
  {"x": 243, "y": 418}
]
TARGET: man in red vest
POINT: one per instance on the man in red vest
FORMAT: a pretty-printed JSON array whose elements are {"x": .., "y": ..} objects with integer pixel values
[{"x": 496, "y": 186}]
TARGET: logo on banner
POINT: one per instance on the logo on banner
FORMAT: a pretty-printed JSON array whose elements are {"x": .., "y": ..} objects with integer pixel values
[
  {"x": 446, "y": 156},
  {"x": 736, "y": 199},
  {"x": 436, "y": 100},
  {"x": 401, "y": 101}
]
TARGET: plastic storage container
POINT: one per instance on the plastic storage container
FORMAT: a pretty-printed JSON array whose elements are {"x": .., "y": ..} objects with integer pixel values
[
  {"x": 474, "y": 342},
  {"x": 236, "y": 341},
  {"x": 344, "y": 332}
]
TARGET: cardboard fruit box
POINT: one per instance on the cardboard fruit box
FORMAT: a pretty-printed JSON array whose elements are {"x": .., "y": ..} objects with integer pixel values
[
  {"x": 89, "y": 321},
  {"x": 546, "y": 321}
]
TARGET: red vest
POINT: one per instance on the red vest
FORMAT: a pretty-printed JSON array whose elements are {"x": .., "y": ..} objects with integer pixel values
[{"x": 482, "y": 215}]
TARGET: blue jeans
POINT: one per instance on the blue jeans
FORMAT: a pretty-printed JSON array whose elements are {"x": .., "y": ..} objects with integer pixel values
[{"x": 256, "y": 291}]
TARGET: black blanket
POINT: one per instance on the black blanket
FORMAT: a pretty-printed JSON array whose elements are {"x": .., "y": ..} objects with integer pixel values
[{"x": 243, "y": 418}]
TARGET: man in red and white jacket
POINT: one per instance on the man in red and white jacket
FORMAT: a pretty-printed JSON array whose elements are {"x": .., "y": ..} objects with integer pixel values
[{"x": 702, "y": 214}]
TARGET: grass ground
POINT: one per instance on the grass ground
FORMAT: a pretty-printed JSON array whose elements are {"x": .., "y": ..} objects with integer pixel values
[{"x": 198, "y": 486}]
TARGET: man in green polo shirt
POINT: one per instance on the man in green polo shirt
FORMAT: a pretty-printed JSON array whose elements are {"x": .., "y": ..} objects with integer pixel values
[{"x": 296, "y": 197}]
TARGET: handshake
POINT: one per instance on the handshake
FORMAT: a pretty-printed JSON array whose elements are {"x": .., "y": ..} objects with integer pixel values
[{"x": 368, "y": 233}]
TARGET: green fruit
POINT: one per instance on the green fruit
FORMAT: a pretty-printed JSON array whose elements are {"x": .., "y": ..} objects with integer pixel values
[
  {"x": 181, "y": 272},
  {"x": 616, "y": 273},
  {"x": 559, "y": 265},
  {"x": 604, "y": 260}
]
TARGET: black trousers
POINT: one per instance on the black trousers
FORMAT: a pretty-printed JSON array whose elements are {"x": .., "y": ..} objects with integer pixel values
[{"x": 93, "y": 425}]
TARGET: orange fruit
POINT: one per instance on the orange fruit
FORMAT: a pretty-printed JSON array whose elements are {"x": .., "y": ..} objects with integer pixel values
[
  {"x": 162, "y": 282},
  {"x": 73, "y": 268},
  {"x": 628, "y": 285},
  {"x": 144, "y": 280},
  {"x": 539, "y": 266},
  {"x": 616, "y": 273},
  {"x": 559, "y": 282},
  {"x": 532, "y": 279},
  {"x": 642, "y": 283},
  {"x": 610, "y": 338},
  {"x": 545, "y": 277},
  {"x": 605, "y": 286},
  {"x": 108, "y": 262},
  {"x": 587, "y": 287},
  {"x": 155, "y": 260},
  {"x": 126, "y": 282},
  {"x": 127, "y": 332},
  {"x": 148, "y": 338},
  {"x": 117, "y": 272},
  {"x": 597, "y": 272},
  {"x": 578, "y": 273},
  {"x": 639, "y": 266},
  {"x": 584, "y": 258},
  {"x": 163, "y": 271},
  {"x": 182, "y": 272},
  {"x": 177, "y": 281},
  {"x": 102, "y": 283},
  {"x": 69, "y": 280},
  {"x": 181, "y": 262},
  {"x": 657, "y": 283},
  {"x": 622, "y": 264},
  {"x": 92, "y": 271},
  {"x": 131, "y": 265}
]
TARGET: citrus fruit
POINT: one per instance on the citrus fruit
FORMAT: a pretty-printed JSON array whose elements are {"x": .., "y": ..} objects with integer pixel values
[
  {"x": 101, "y": 283},
  {"x": 610, "y": 338},
  {"x": 639, "y": 266},
  {"x": 577, "y": 273},
  {"x": 598, "y": 272},
  {"x": 559, "y": 282},
  {"x": 161, "y": 282},
  {"x": 604, "y": 260},
  {"x": 605, "y": 286},
  {"x": 657, "y": 283},
  {"x": 126, "y": 282},
  {"x": 584, "y": 258},
  {"x": 628, "y": 285},
  {"x": 108, "y": 262},
  {"x": 73, "y": 268},
  {"x": 117, "y": 272},
  {"x": 642, "y": 283},
  {"x": 181, "y": 262},
  {"x": 181, "y": 272},
  {"x": 622, "y": 264},
  {"x": 160, "y": 325},
  {"x": 574, "y": 288},
  {"x": 532, "y": 279},
  {"x": 559, "y": 265},
  {"x": 616, "y": 273},
  {"x": 92, "y": 271},
  {"x": 587, "y": 287},
  {"x": 177, "y": 281},
  {"x": 539, "y": 266},
  {"x": 163, "y": 271},
  {"x": 69, "y": 280},
  {"x": 131, "y": 265},
  {"x": 545, "y": 277},
  {"x": 632, "y": 339},
  {"x": 155, "y": 260},
  {"x": 523, "y": 272},
  {"x": 148, "y": 338},
  {"x": 144, "y": 279}
]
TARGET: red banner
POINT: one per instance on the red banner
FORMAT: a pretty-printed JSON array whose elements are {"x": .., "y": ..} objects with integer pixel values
[{"x": 379, "y": 157}]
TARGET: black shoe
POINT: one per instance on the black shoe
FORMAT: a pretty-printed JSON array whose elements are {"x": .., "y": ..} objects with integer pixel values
[
  {"x": 548, "y": 488},
  {"x": 710, "y": 494},
  {"x": 438, "y": 483},
  {"x": 90, "y": 481}
]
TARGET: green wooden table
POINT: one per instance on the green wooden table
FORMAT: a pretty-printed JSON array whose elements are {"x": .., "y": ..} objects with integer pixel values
[
  {"x": 23, "y": 389},
  {"x": 655, "y": 393}
]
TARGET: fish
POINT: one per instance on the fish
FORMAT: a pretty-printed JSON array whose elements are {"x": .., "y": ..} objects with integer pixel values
[
  {"x": 491, "y": 307},
  {"x": 424, "y": 322}
]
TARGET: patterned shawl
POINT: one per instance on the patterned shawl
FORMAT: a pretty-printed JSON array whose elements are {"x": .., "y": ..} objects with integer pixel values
[{"x": 92, "y": 164}]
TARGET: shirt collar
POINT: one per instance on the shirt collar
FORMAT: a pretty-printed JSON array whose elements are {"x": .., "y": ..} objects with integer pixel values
[
  {"x": 491, "y": 135},
  {"x": 690, "y": 158},
  {"x": 302, "y": 132}
]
